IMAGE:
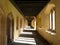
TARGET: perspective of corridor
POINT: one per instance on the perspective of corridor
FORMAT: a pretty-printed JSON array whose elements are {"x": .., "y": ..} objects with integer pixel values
[{"x": 29, "y": 22}]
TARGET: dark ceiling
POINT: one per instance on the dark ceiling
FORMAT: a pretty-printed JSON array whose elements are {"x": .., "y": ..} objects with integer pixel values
[{"x": 29, "y": 8}]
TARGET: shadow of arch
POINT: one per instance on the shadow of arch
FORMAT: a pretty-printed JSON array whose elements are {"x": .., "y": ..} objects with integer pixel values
[{"x": 10, "y": 28}]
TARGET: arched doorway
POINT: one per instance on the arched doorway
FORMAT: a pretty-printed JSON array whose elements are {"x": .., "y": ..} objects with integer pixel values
[{"x": 10, "y": 28}]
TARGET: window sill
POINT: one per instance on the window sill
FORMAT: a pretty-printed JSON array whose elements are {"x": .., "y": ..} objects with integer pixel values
[{"x": 52, "y": 32}]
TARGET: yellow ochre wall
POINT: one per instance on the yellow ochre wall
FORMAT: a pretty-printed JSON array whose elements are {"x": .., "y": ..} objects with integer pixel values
[
  {"x": 9, "y": 7},
  {"x": 43, "y": 23},
  {"x": 25, "y": 23},
  {"x": 43, "y": 18},
  {"x": 57, "y": 22}
]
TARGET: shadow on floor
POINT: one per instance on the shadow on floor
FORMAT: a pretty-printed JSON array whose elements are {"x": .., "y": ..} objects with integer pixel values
[{"x": 38, "y": 38}]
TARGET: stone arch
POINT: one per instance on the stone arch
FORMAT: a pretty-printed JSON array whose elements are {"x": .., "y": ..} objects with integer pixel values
[
  {"x": 10, "y": 28},
  {"x": 33, "y": 23},
  {"x": 2, "y": 27}
]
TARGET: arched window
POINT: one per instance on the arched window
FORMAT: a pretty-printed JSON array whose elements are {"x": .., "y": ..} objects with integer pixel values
[
  {"x": 52, "y": 15},
  {"x": 52, "y": 19}
]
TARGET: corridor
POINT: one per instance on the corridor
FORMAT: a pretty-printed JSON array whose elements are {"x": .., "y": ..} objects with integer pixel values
[
  {"x": 29, "y": 22},
  {"x": 30, "y": 37}
]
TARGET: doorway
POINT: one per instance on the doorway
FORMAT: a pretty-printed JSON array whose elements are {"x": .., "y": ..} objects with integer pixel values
[{"x": 31, "y": 23}]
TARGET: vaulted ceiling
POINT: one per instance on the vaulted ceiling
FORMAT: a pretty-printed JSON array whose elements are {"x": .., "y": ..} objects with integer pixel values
[{"x": 29, "y": 8}]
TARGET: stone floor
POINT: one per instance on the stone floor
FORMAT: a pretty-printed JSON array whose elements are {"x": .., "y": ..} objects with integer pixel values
[{"x": 30, "y": 37}]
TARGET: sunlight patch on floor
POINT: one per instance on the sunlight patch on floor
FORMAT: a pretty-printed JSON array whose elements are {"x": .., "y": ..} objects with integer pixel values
[
  {"x": 29, "y": 28},
  {"x": 25, "y": 40},
  {"x": 26, "y": 33}
]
